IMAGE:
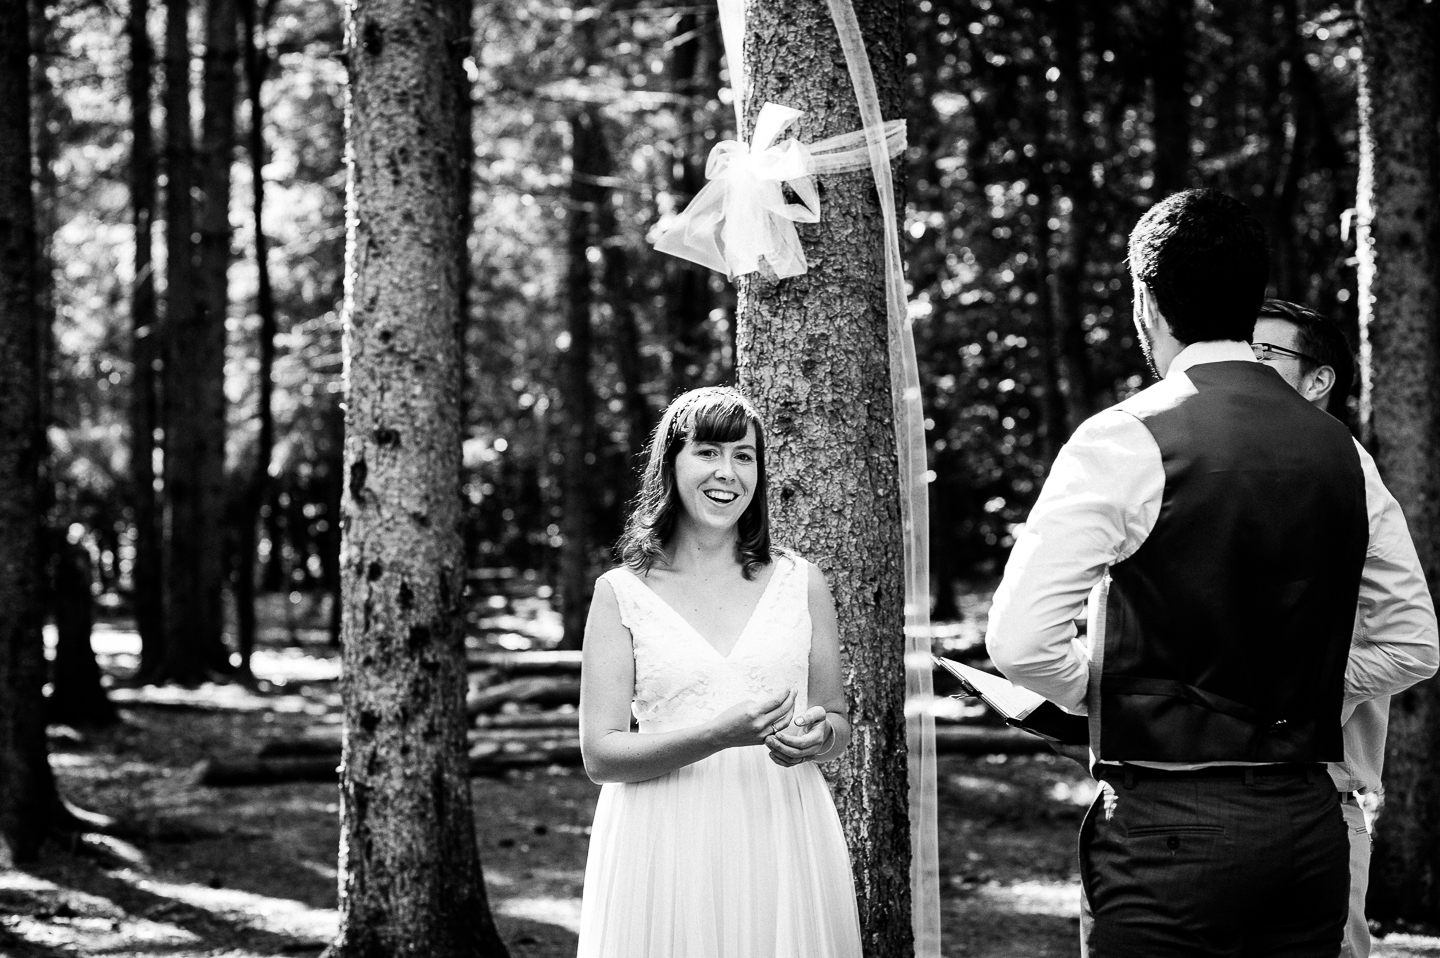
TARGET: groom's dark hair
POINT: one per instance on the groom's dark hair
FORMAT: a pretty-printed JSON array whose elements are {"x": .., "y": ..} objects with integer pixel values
[{"x": 1204, "y": 257}]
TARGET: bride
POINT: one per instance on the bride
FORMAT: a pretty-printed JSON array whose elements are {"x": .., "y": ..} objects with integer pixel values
[{"x": 715, "y": 835}]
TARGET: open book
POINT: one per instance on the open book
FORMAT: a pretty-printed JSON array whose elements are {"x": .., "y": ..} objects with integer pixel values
[{"x": 1019, "y": 707}]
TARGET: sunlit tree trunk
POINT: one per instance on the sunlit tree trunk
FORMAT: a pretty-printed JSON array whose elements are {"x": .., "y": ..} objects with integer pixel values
[
  {"x": 257, "y": 61},
  {"x": 1399, "y": 245},
  {"x": 27, "y": 789},
  {"x": 410, "y": 878},
  {"x": 813, "y": 354},
  {"x": 144, "y": 354}
]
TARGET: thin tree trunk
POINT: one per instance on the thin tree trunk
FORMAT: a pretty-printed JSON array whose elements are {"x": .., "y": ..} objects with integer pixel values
[
  {"x": 410, "y": 876},
  {"x": 812, "y": 353},
  {"x": 27, "y": 787},
  {"x": 144, "y": 397},
  {"x": 629, "y": 359},
  {"x": 1169, "y": 69},
  {"x": 257, "y": 62},
  {"x": 695, "y": 72},
  {"x": 1399, "y": 245},
  {"x": 1068, "y": 278},
  {"x": 577, "y": 394}
]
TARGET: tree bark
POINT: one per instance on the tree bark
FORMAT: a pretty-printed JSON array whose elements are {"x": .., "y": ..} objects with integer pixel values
[
  {"x": 146, "y": 573},
  {"x": 1399, "y": 250},
  {"x": 257, "y": 63},
  {"x": 577, "y": 394},
  {"x": 27, "y": 788},
  {"x": 192, "y": 558},
  {"x": 410, "y": 876},
  {"x": 78, "y": 698},
  {"x": 812, "y": 353}
]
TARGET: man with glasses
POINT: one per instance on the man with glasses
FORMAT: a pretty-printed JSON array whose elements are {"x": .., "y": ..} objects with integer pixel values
[
  {"x": 1311, "y": 354},
  {"x": 1308, "y": 351},
  {"x": 1225, "y": 531}
]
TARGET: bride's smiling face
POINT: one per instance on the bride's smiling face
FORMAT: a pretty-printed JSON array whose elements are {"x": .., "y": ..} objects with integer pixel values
[{"x": 715, "y": 481}]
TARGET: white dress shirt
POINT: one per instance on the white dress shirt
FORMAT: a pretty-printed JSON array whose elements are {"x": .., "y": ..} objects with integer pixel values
[{"x": 1097, "y": 508}]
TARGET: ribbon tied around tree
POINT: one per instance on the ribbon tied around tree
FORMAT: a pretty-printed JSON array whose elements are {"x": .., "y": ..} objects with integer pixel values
[{"x": 742, "y": 215}]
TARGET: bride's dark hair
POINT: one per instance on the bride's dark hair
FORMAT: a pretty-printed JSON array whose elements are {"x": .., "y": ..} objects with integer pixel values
[{"x": 710, "y": 414}]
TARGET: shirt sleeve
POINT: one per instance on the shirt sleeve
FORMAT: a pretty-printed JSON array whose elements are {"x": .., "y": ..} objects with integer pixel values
[
  {"x": 1096, "y": 508},
  {"x": 1395, "y": 643}
]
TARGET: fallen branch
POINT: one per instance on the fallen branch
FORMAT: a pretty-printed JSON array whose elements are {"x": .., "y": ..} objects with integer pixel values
[
  {"x": 485, "y": 759},
  {"x": 537, "y": 690}
]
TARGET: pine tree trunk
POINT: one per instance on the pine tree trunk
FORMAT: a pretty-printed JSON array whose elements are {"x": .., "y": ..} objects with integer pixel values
[
  {"x": 188, "y": 557},
  {"x": 197, "y": 444},
  {"x": 1169, "y": 69},
  {"x": 695, "y": 71},
  {"x": 410, "y": 877},
  {"x": 78, "y": 697},
  {"x": 577, "y": 393},
  {"x": 1398, "y": 207},
  {"x": 144, "y": 395},
  {"x": 27, "y": 789},
  {"x": 812, "y": 353},
  {"x": 257, "y": 61}
]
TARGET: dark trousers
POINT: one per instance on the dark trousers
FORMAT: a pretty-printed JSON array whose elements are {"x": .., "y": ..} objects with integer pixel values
[{"x": 1178, "y": 866}]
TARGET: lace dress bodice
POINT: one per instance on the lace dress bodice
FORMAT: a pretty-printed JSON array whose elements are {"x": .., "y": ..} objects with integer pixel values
[{"x": 680, "y": 678}]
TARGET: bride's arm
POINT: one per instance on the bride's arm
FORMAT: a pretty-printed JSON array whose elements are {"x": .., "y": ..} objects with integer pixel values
[
  {"x": 607, "y": 685},
  {"x": 826, "y": 723}
]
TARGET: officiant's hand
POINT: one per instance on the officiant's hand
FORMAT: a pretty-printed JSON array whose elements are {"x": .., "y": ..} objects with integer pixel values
[
  {"x": 751, "y": 723},
  {"x": 802, "y": 741}
]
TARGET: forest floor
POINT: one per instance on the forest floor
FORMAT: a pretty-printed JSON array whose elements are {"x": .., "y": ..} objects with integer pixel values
[{"x": 250, "y": 871}]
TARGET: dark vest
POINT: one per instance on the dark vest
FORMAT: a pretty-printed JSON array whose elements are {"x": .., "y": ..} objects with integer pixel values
[{"x": 1225, "y": 635}]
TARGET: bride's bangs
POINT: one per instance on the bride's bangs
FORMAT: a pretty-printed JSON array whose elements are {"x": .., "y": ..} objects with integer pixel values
[{"x": 717, "y": 418}]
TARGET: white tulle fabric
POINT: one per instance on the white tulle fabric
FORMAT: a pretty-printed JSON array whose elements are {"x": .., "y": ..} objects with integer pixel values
[{"x": 733, "y": 856}]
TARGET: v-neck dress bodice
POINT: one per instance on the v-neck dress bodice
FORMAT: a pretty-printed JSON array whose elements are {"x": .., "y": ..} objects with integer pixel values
[
  {"x": 683, "y": 680},
  {"x": 732, "y": 856}
]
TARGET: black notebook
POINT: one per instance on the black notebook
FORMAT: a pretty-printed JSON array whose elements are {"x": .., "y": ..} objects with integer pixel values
[{"x": 1020, "y": 708}]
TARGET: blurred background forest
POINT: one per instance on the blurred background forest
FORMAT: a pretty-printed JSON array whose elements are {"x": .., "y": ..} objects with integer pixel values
[{"x": 1038, "y": 133}]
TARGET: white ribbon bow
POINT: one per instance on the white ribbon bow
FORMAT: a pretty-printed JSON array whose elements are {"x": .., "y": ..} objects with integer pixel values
[{"x": 741, "y": 215}]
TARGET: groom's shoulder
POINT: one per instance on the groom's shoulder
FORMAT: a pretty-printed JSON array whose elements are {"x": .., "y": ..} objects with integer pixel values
[{"x": 1152, "y": 400}]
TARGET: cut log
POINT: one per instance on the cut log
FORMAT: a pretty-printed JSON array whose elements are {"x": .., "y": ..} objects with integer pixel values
[
  {"x": 537, "y": 690},
  {"x": 516, "y": 664},
  {"x": 970, "y": 740},
  {"x": 486, "y": 759},
  {"x": 529, "y": 720},
  {"x": 505, "y": 736}
]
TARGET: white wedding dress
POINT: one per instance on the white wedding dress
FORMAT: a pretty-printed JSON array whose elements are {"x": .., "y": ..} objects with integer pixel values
[{"x": 733, "y": 856}]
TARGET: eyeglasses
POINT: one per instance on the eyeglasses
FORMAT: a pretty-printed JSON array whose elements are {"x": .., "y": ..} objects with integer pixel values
[{"x": 1268, "y": 351}]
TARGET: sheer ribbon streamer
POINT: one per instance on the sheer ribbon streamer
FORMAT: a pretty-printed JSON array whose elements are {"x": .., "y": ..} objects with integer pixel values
[{"x": 882, "y": 141}]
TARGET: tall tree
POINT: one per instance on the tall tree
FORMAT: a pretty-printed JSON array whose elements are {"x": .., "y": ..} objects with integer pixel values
[
  {"x": 577, "y": 392},
  {"x": 144, "y": 355},
  {"x": 257, "y": 64},
  {"x": 812, "y": 352},
  {"x": 195, "y": 433},
  {"x": 1399, "y": 245},
  {"x": 185, "y": 601},
  {"x": 27, "y": 788},
  {"x": 1169, "y": 45},
  {"x": 410, "y": 876},
  {"x": 695, "y": 73}
]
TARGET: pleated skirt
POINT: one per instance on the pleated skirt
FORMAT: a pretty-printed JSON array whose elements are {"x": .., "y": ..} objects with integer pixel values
[{"x": 732, "y": 857}]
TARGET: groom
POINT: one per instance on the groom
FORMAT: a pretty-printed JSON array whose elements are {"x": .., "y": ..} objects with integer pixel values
[{"x": 1223, "y": 524}]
